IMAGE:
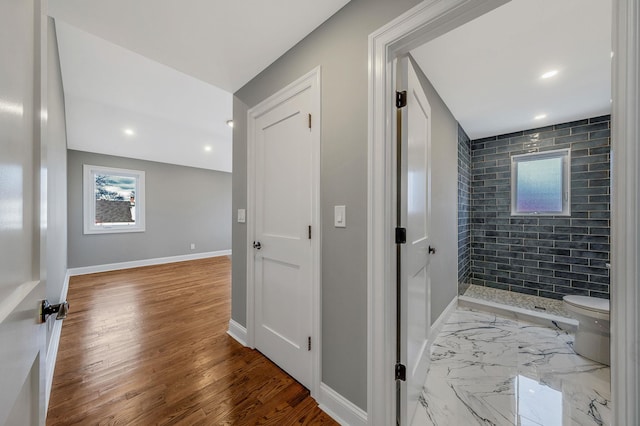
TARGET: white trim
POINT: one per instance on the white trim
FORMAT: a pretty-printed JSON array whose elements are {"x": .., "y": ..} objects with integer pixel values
[
  {"x": 436, "y": 328},
  {"x": 238, "y": 332},
  {"x": 310, "y": 80},
  {"x": 54, "y": 344},
  {"x": 145, "y": 262},
  {"x": 625, "y": 215},
  {"x": 52, "y": 355},
  {"x": 340, "y": 409},
  {"x": 422, "y": 23}
]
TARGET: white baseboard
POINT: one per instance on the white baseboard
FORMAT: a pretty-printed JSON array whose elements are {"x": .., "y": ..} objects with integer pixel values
[
  {"x": 341, "y": 409},
  {"x": 54, "y": 344},
  {"x": 238, "y": 332},
  {"x": 436, "y": 327},
  {"x": 52, "y": 354},
  {"x": 145, "y": 262}
]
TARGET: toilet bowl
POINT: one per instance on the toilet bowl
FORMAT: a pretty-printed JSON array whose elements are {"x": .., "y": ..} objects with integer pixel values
[{"x": 592, "y": 337}]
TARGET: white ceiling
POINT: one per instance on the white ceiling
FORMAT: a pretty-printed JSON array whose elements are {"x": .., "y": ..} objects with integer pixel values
[
  {"x": 488, "y": 71},
  {"x": 222, "y": 42},
  {"x": 175, "y": 91},
  {"x": 175, "y": 118}
]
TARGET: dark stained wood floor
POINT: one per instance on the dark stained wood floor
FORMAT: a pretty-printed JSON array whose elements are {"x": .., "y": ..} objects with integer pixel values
[{"x": 148, "y": 346}]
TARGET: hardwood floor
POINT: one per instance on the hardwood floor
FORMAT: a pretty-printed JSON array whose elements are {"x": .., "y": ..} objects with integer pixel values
[{"x": 148, "y": 346}]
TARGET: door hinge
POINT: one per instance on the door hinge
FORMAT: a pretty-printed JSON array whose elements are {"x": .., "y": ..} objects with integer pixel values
[
  {"x": 401, "y": 235},
  {"x": 309, "y": 344},
  {"x": 309, "y": 231},
  {"x": 401, "y": 99},
  {"x": 309, "y": 120},
  {"x": 401, "y": 372}
]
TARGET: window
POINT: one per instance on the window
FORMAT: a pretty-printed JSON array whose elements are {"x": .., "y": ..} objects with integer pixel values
[
  {"x": 113, "y": 200},
  {"x": 540, "y": 183}
]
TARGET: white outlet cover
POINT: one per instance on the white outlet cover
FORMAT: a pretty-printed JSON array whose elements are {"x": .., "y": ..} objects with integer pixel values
[{"x": 242, "y": 215}]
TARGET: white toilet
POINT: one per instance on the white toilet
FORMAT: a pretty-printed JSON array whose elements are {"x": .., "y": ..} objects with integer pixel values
[{"x": 592, "y": 337}]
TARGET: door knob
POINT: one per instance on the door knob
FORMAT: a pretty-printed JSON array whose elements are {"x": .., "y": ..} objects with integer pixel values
[
  {"x": 257, "y": 245},
  {"x": 47, "y": 309},
  {"x": 432, "y": 250}
]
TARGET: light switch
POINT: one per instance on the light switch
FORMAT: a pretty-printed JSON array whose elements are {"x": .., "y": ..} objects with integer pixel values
[
  {"x": 340, "y": 216},
  {"x": 242, "y": 215}
]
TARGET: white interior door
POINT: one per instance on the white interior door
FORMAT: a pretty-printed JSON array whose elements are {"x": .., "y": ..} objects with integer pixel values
[
  {"x": 22, "y": 355},
  {"x": 283, "y": 246},
  {"x": 414, "y": 121},
  {"x": 22, "y": 337}
]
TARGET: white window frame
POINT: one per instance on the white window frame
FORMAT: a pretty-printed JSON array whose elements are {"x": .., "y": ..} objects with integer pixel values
[
  {"x": 565, "y": 155},
  {"x": 89, "y": 200}
]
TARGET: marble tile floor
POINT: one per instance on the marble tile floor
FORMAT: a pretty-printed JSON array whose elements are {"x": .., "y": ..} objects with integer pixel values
[{"x": 490, "y": 370}]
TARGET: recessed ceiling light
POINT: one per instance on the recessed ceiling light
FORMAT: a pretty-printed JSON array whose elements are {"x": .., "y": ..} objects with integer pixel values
[
  {"x": 540, "y": 116},
  {"x": 129, "y": 132},
  {"x": 208, "y": 148},
  {"x": 549, "y": 74},
  {"x": 230, "y": 123}
]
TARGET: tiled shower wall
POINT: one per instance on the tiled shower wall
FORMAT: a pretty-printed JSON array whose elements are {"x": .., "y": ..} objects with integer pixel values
[
  {"x": 548, "y": 256},
  {"x": 464, "y": 214}
]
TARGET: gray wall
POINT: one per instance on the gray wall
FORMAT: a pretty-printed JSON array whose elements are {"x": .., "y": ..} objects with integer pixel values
[
  {"x": 464, "y": 211},
  {"x": 239, "y": 230},
  {"x": 56, "y": 176},
  {"x": 444, "y": 199},
  {"x": 183, "y": 205},
  {"x": 548, "y": 256},
  {"x": 339, "y": 46}
]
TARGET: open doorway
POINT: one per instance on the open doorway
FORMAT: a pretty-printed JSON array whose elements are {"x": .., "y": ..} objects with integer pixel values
[{"x": 424, "y": 23}]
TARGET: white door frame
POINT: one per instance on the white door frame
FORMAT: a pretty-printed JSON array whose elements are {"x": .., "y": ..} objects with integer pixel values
[
  {"x": 625, "y": 214},
  {"x": 311, "y": 80},
  {"x": 425, "y": 22}
]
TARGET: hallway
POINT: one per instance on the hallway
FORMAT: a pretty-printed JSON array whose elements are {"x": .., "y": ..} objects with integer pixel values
[{"x": 148, "y": 346}]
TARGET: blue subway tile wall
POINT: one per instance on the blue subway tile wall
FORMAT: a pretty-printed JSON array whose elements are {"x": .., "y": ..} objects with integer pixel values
[
  {"x": 548, "y": 256},
  {"x": 464, "y": 213}
]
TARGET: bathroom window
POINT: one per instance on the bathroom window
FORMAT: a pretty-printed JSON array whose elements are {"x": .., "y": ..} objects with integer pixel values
[
  {"x": 540, "y": 183},
  {"x": 113, "y": 200}
]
